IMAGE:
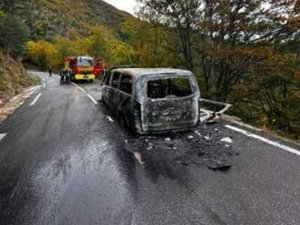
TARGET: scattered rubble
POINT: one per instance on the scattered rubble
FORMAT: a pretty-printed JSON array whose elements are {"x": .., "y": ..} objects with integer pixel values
[
  {"x": 138, "y": 157},
  {"x": 190, "y": 137},
  {"x": 165, "y": 154},
  {"x": 226, "y": 139},
  {"x": 110, "y": 119}
]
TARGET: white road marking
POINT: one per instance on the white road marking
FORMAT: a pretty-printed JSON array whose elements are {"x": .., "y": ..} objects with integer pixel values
[
  {"x": 81, "y": 89},
  {"x": 90, "y": 97},
  {"x": 268, "y": 141},
  {"x": 76, "y": 85},
  {"x": 2, "y": 136},
  {"x": 35, "y": 99},
  {"x": 44, "y": 85},
  {"x": 93, "y": 100}
]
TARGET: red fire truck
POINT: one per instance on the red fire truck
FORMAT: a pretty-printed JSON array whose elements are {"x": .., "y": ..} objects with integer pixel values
[{"x": 84, "y": 67}]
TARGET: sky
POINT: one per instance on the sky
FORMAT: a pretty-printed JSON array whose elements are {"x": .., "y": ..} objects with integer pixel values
[{"x": 125, "y": 5}]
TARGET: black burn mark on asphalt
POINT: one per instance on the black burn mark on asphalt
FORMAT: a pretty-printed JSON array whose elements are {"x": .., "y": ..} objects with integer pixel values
[{"x": 169, "y": 155}]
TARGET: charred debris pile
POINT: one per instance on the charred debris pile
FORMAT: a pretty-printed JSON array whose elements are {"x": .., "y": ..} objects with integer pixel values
[{"x": 203, "y": 146}]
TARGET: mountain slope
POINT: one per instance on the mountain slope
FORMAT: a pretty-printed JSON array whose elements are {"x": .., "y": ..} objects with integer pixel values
[
  {"x": 49, "y": 18},
  {"x": 13, "y": 78}
]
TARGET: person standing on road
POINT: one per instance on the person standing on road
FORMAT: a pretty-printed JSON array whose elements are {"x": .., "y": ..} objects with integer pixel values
[
  {"x": 68, "y": 76},
  {"x": 50, "y": 71},
  {"x": 62, "y": 76}
]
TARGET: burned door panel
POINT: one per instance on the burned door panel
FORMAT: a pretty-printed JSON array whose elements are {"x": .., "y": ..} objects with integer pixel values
[
  {"x": 105, "y": 87},
  {"x": 154, "y": 100},
  {"x": 137, "y": 117},
  {"x": 113, "y": 92},
  {"x": 124, "y": 96}
]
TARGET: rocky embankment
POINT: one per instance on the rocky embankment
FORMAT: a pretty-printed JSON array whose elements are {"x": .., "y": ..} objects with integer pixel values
[{"x": 14, "y": 83}]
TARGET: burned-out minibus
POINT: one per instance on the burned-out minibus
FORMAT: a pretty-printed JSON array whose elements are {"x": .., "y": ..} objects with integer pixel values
[{"x": 152, "y": 100}]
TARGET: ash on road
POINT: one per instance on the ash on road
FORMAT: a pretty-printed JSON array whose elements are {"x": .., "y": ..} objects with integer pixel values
[{"x": 167, "y": 154}]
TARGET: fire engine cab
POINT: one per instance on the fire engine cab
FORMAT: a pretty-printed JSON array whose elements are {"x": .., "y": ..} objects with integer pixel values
[{"x": 84, "y": 67}]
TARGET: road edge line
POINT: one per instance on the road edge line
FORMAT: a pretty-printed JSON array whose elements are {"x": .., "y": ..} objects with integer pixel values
[
  {"x": 2, "y": 136},
  {"x": 92, "y": 99},
  {"x": 85, "y": 91},
  {"x": 82, "y": 89},
  {"x": 265, "y": 140}
]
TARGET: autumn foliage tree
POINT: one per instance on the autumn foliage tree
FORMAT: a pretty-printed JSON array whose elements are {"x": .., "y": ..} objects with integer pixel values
[
  {"x": 241, "y": 51},
  {"x": 153, "y": 44},
  {"x": 42, "y": 53},
  {"x": 181, "y": 16},
  {"x": 101, "y": 43}
]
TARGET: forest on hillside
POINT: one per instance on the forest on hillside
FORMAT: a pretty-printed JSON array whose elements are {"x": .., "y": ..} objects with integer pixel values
[{"x": 245, "y": 52}]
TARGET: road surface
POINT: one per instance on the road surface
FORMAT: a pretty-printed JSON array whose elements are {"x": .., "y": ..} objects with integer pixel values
[{"x": 62, "y": 161}]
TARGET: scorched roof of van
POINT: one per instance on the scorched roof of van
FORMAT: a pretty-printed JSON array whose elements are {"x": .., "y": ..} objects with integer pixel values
[{"x": 152, "y": 71}]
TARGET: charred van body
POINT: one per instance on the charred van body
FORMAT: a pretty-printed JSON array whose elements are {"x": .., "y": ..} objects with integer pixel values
[{"x": 153, "y": 100}]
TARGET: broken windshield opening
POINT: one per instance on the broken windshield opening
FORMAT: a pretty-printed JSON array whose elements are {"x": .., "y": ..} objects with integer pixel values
[
  {"x": 169, "y": 87},
  {"x": 84, "y": 61}
]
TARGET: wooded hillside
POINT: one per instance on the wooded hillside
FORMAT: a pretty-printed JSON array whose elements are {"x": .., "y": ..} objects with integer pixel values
[
  {"x": 244, "y": 52},
  {"x": 49, "y": 18}
]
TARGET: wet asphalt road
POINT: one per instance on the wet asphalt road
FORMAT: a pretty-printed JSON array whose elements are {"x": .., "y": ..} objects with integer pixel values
[{"x": 63, "y": 162}]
